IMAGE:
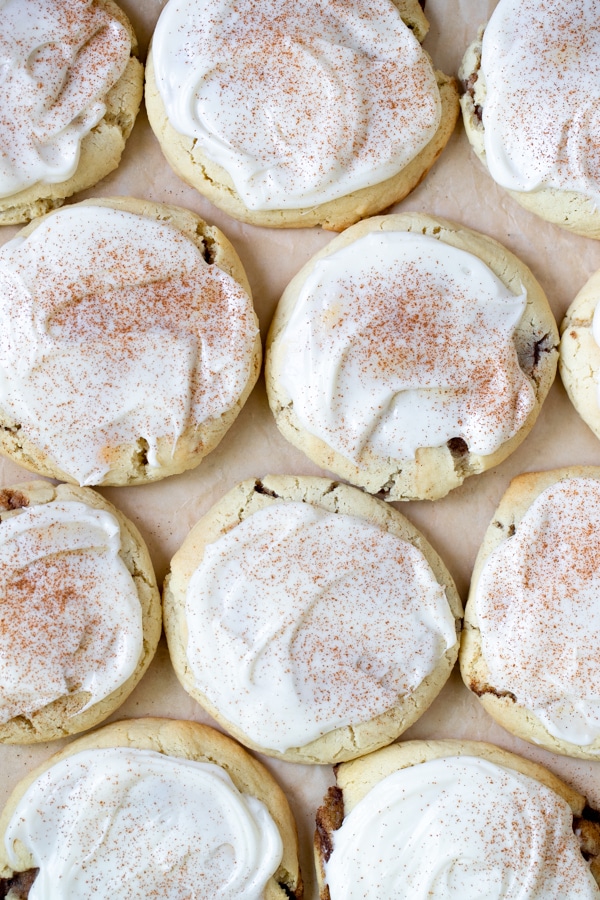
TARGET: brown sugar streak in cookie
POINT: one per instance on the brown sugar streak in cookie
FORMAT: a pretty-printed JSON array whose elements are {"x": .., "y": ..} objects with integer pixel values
[{"x": 132, "y": 362}]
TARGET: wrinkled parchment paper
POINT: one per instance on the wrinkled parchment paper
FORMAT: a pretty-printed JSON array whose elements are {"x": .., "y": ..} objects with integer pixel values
[{"x": 457, "y": 188}]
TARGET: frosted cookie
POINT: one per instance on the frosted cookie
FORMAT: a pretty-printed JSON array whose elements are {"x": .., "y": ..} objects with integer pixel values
[
  {"x": 80, "y": 613},
  {"x": 290, "y": 113},
  {"x": 454, "y": 820},
  {"x": 128, "y": 343},
  {"x": 579, "y": 359},
  {"x": 150, "y": 808},
  {"x": 532, "y": 107},
  {"x": 532, "y": 638},
  {"x": 70, "y": 89},
  {"x": 408, "y": 354},
  {"x": 314, "y": 622}
]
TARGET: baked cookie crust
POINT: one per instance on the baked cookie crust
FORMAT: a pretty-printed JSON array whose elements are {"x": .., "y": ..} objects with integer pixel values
[
  {"x": 62, "y": 717},
  {"x": 192, "y": 741},
  {"x": 129, "y": 462},
  {"x": 192, "y": 166},
  {"x": 101, "y": 149},
  {"x": 243, "y": 501},
  {"x": 503, "y": 705},
  {"x": 579, "y": 358},
  {"x": 435, "y": 470}
]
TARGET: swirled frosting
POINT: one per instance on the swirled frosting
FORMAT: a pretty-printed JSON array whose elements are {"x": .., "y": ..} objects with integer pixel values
[
  {"x": 541, "y": 64},
  {"x": 459, "y": 829},
  {"x": 70, "y": 616},
  {"x": 537, "y": 610},
  {"x": 399, "y": 341},
  {"x": 124, "y": 822},
  {"x": 300, "y": 102},
  {"x": 116, "y": 332},
  {"x": 300, "y": 621},
  {"x": 59, "y": 60}
]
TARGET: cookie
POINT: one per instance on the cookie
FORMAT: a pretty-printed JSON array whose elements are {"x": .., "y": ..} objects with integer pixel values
[
  {"x": 129, "y": 342},
  {"x": 151, "y": 807},
  {"x": 70, "y": 91},
  {"x": 454, "y": 819},
  {"x": 579, "y": 358},
  {"x": 532, "y": 631},
  {"x": 530, "y": 107},
  {"x": 314, "y": 622},
  {"x": 80, "y": 610},
  {"x": 289, "y": 113},
  {"x": 408, "y": 354}
]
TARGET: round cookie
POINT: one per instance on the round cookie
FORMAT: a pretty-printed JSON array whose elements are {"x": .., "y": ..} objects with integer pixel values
[
  {"x": 408, "y": 354},
  {"x": 133, "y": 365},
  {"x": 79, "y": 607},
  {"x": 579, "y": 358},
  {"x": 449, "y": 819},
  {"x": 314, "y": 622},
  {"x": 532, "y": 85},
  {"x": 298, "y": 114},
  {"x": 175, "y": 829},
  {"x": 70, "y": 93},
  {"x": 530, "y": 646}
]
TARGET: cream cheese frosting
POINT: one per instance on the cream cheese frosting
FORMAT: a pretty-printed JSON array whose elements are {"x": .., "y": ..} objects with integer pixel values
[
  {"x": 299, "y": 101},
  {"x": 124, "y": 822},
  {"x": 399, "y": 341},
  {"x": 536, "y": 602},
  {"x": 70, "y": 616},
  {"x": 458, "y": 829},
  {"x": 540, "y": 61},
  {"x": 300, "y": 621},
  {"x": 59, "y": 60},
  {"x": 116, "y": 331}
]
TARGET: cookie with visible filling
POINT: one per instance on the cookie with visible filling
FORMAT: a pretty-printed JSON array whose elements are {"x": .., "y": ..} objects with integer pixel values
[
  {"x": 289, "y": 113},
  {"x": 532, "y": 633},
  {"x": 79, "y": 610},
  {"x": 165, "y": 808},
  {"x": 408, "y": 354},
  {"x": 70, "y": 90},
  {"x": 579, "y": 358},
  {"x": 454, "y": 819},
  {"x": 139, "y": 347},
  {"x": 530, "y": 107},
  {"x": 314, "y": 622}
]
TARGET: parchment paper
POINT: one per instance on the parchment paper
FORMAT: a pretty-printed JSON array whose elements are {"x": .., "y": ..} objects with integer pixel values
[{"x": 456, "y": 188}]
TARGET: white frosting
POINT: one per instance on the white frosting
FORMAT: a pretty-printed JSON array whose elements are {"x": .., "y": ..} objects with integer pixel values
[
  {"x": 541, "y": 65},
  {"x": 115, "y": 331},
  {"x": 123, "y": 822},
  {"x": 59, "y": 60},
  {"x": 70, "y": 616},
  {"x": 300, "y": 621},
  {"x": 300, "y": 101},
  {"x": 459, "y": 829},
  {"x": 400, "y": 341},
  {"x": 537, "y": 609}
]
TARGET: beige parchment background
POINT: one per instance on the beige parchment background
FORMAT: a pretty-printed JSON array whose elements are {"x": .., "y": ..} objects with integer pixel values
[{"x": 456, "y": 188}]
